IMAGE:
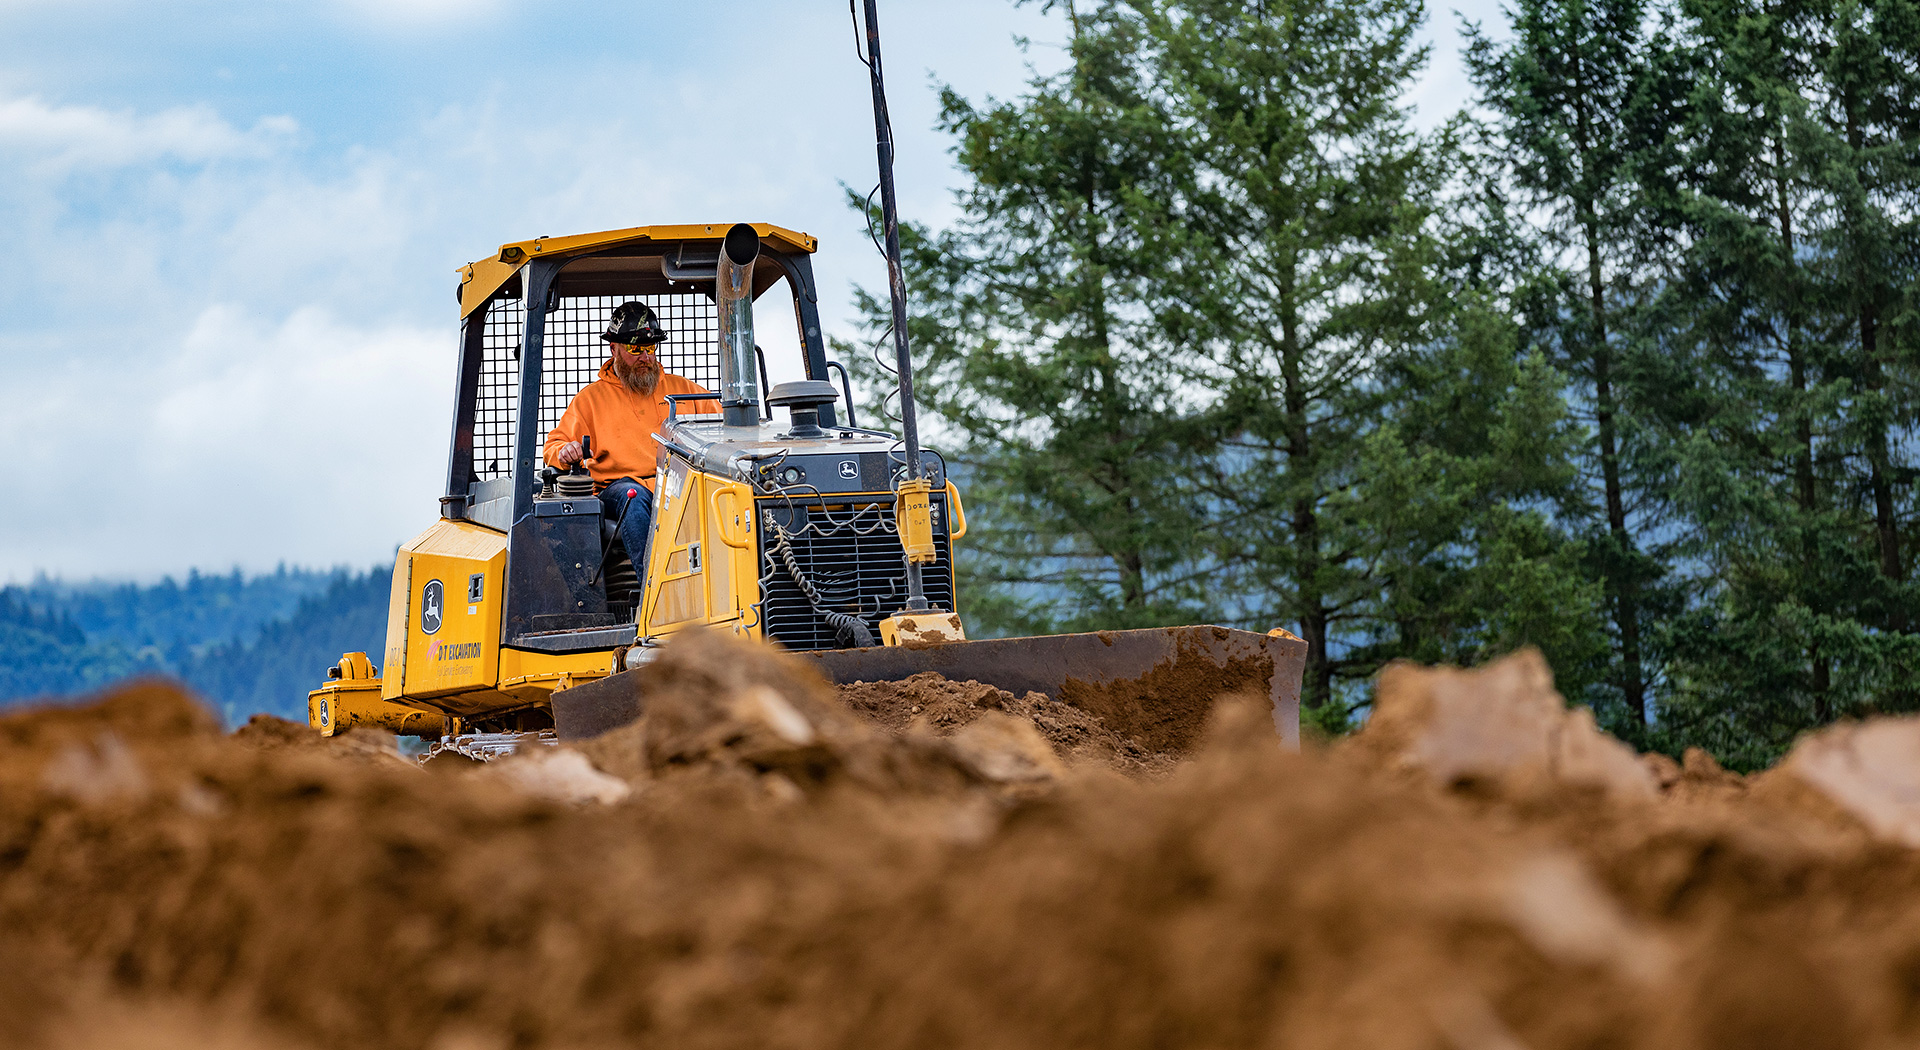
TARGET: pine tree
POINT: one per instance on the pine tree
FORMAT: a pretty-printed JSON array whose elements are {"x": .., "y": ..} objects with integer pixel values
[
  {"x": 1563, "y": 92},
  {"x": 1209, "y": 313},
  {"x": 1347, "y": 503},
  {"x": 1042, "y": 352},
  {"x": 1790, "y": 204}
]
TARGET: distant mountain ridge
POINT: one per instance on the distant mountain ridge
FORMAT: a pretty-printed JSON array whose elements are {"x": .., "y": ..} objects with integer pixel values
[{"x": 247, "y": 644}]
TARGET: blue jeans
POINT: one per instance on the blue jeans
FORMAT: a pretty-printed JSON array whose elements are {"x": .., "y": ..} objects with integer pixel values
[{"x": 636, "y": 528}]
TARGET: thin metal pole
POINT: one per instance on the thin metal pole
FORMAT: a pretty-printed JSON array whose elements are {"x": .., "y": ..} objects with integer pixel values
[{"x": 896, "y": 280}]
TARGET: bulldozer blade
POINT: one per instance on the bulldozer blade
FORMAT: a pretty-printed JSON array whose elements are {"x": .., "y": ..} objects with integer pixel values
[{"x": 1155, "y": 685}]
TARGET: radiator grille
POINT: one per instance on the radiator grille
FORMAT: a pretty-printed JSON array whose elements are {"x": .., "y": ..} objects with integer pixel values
[
  {"x": 850, "y": 551},
  {"x": 573, "y": 353}
]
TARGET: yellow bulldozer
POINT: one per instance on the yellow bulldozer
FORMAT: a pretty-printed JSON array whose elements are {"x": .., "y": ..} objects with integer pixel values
[
  {"x": 516, "y": 616},
  {"x": 781, "y": 529}
]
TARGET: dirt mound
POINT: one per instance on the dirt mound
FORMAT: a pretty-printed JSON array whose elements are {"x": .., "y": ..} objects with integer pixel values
[
  {"x": 755, "y": 863},
  {"x": 270, "y": 734},
  {"x": 721, "y": 710},
  {"x": 929, "y": 703}
]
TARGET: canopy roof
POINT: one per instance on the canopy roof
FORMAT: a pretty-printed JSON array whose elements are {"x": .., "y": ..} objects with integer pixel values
[{"x": 480, "y": 279}]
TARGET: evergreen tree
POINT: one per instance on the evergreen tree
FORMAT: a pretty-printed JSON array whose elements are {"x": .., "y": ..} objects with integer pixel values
[
  {"x": 1311, "y": 270},
  {"x": 45, "y": 654},
  {"x": 1867, "y": 131},
  {"x": 261, "y": 659},
  {"x": 1204, "y": 328},
  {"x": 1790, "y": 201},
  {"x": 1563, "y": 93},
  {"x": 1396, "y": 452},
  {"x": 1042, "y": 351}
]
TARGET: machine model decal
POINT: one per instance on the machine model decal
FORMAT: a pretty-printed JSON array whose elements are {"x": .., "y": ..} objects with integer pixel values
[{"x": 430, "y": 601}]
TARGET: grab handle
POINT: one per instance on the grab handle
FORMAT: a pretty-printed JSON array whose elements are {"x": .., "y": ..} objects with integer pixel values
[
  {"x": 957, "y": 514},
  {"x": 735, "y": 527}
]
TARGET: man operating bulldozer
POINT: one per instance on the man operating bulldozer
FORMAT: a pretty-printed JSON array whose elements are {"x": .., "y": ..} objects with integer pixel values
[{"x": 619, "y": 413}]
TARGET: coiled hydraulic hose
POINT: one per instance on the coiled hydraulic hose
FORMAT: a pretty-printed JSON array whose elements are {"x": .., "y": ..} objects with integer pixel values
[{"x": 848, "y": 630}]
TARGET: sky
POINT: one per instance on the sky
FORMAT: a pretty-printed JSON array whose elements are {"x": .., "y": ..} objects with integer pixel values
[{"x": 228, "y": 321}]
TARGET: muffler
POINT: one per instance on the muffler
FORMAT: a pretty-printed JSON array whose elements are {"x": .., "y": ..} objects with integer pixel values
[{"x": 733, "y": 295}]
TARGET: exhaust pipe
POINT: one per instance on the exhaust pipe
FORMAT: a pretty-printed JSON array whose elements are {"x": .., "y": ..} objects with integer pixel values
[{"x": 733, "y": 295}]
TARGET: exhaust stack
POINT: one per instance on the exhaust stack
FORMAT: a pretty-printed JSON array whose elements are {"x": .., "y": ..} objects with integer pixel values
[{"x": 733, "y": 295}]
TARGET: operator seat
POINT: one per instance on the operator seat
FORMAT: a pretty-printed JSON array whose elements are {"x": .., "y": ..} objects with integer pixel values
[{"x": 621, "y": 578}]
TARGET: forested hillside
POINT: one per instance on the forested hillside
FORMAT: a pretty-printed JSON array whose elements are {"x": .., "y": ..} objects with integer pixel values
[
  {"x": 1621, "y": 362},
  {"x": 248, "y": 644},
  {"x": 169, "y": 619}
]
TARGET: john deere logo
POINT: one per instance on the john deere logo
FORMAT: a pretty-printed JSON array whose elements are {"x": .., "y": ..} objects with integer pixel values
[
  {"x": 849, "y": 468},
  {"x": 430, "y": 605}
]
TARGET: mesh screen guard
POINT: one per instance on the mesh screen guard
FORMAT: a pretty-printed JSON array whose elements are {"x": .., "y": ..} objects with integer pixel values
[{"x": 573, "y": 353}]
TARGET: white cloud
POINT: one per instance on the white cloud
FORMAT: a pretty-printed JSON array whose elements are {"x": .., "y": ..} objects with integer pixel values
[
  {"x": 54, "y": 139},
  {"x": 254, "y": 438}
]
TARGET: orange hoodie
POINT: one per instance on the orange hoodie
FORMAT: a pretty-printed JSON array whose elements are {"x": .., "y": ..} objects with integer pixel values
[{"x": 621, "y": 424}]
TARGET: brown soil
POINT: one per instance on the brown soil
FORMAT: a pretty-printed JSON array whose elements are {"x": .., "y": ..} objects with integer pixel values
[
  {"x": 927, "y": 702},
  {"x": 1165, "y": 710},
  {"x": 766, "y": 867}
]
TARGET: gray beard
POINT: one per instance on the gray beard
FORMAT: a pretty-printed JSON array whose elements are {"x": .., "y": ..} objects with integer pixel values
[{"x": 641, "y": 379}]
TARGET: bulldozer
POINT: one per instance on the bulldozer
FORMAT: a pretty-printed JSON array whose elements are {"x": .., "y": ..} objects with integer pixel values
[{"x": 516, "y": 616}]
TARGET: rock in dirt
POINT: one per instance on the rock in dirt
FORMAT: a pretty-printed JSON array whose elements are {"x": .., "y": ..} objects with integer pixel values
[
  {"x": 1563, "y": 912},
  {"x": 1501, "y": 721},
  {"x": 96, "y": 773},
  {"x": 1006, "y": 750},
  {"x": 714, "y": 699},
  {"x": 719, "y": 705},
  {"x": 558, "y": 775},
  {"x": 1870, "y": 770}
]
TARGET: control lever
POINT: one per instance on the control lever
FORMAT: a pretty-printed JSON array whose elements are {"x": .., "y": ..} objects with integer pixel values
[{"x": 577, "y": 483}]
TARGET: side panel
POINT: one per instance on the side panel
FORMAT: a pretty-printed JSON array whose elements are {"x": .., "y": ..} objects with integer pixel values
[
  {"x": 398, "y": 602},
  {"x": 677, "y": 560},
  {"x": 452, "y": 611},
  {"x": 730, "y": 578},
  {"x": 555, "y": 555},
  {"x": 694, "y": 575}
]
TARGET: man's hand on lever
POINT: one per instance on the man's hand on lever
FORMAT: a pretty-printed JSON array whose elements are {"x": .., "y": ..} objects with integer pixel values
[{"x": 574, "y": 451}]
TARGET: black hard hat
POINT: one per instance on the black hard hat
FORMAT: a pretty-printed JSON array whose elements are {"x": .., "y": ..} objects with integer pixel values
[{"x": 633, "y": 323}]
